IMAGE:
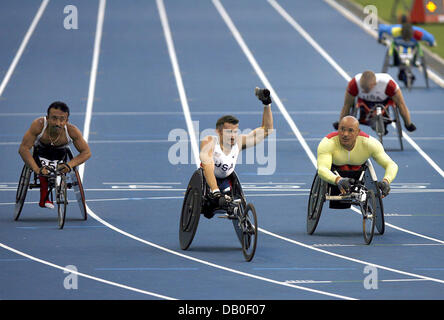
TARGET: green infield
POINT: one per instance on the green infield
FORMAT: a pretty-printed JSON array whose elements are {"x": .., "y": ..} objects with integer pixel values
[{"x": 385, "y": 12}]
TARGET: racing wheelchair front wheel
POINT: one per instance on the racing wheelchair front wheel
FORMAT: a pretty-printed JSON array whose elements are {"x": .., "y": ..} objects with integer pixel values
[
  {"x": 191, "y": 209},
  {"x": 368, "y": 210},
  {"x": 22, "y": 190},
  {"x": 248, "y": 224}
]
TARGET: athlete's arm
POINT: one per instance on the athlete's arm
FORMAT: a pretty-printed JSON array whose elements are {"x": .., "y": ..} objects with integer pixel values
[
  {"x": 382, "y": 158},
  {"x": 28, "y": 142},
  {"x": 259, "y": 134},
  {"x": 349, "y": 101},
  {"x": 421, "y": 34},
  {"x": 324, "y": 161},
  {"x": 207, "y": 161},
  {"x": 398, "y": 98},
  {"x": 81, "y": 146}
]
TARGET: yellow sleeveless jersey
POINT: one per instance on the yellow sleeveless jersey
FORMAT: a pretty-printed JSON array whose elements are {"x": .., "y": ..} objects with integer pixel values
[{"x": 330, "y": 151}]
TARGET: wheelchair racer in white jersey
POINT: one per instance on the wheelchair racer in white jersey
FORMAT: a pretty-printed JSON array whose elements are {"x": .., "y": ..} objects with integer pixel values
[
  {"x": 373, "y": 88},
  {"x": 218, "y": 154}
]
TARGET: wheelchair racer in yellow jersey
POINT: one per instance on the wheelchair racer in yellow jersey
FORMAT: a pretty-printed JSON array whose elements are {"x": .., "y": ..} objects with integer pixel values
[{"x": 348, "y": 149}]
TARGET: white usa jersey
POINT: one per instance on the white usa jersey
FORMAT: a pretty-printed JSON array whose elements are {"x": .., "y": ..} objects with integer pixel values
[
  {"x": 385, "y": 88},
  {"x": 224, "y": 163}
]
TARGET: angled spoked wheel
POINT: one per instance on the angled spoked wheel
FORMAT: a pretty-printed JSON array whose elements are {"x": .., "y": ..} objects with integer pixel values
[
  {"x": 22, "y": 190},
  {"x": 79, "y": 192},
  {"x": 315, "y": 203},
  {"x": 249, "y": 232},
  {"x": 191, "y": 209}
]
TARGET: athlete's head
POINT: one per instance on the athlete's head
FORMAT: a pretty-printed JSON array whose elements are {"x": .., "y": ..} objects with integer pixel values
[
  {"x": 228, "y": 129},
  {"x": 348, "y": 131},
  {"x": 57, "y": 115},
  {"x": 368, "y": 81},
  {"x": 407, "y": 29}
]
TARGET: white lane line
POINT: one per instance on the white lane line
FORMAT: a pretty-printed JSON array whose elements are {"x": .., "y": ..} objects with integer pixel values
[
  {"x": 260, "y": 73},
  {"x": 366, "y": 263},
  {"x": 2, "y": 87},
  {"x": 16, "y": 143},
  {"x": 93, "y": 75},
  {"x": 94, "y": 216},
  {"x": 323, "y": 53},
  {"x": 66, "y": 270},
  {"x": 353, "y": 18},
  {"x": 318, "y": 111},
  {"x": 263, "y": 78},
  {"x": 178, "y": 77},
  {"x": 379, "y": 245},
  {"x": 194, "y": 139},
  {"x": 350, "y": 281},
  {"x": 309, "y": 39},
  {"x": 23, "y": 45},
  {"x": 344, "y": 74},
  {"x": 249, "y": 275}
]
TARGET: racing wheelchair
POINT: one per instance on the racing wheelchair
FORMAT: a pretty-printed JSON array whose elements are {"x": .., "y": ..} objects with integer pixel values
[
  {"x": 378, "y": 116},
  {"x": 364, "y": 193},
  {"x": 233, "y": 205},
  {"x": 405, "y": 55},
  {"x": 58, "y": 184}
]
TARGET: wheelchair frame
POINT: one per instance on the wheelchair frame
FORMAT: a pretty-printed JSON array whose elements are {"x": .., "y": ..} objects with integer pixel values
[
  {"x": 392, "y": 48},
  {"x": 197, "y": 202},
  {"x": 321, "y": 192},
  {"x": 381, "y": 114},
  {"x": 57, "y": 182}
]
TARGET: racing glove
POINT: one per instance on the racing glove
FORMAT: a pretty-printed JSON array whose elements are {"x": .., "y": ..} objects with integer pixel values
[
  {"x": 345, "y": 184},
  {"x": 263, "y": 95},
  {"x": 384, "y": 186},
  {"x": 411, "y": 127}
]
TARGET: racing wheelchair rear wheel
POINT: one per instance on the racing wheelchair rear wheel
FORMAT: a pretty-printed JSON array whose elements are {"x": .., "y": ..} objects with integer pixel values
[
  {"x": 77, "y": 186},
  {"x": 79, "y": 192},
  {"x": 22, "y": 190},
  {"x": 191, "y": 209},
  {"x": 315, "y": 203}
]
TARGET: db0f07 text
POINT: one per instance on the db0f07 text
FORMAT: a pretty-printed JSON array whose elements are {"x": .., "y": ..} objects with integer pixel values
[{"x": 243, "y": 309}]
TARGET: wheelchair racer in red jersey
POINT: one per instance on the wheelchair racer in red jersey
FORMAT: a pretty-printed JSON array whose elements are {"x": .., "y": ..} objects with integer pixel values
[
  {"x": 374, "y": 88},
  {"x": 49, "y": 137}
]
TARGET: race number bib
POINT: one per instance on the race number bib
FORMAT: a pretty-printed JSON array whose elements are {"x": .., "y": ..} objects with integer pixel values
[{"x": 49, "y": 163}]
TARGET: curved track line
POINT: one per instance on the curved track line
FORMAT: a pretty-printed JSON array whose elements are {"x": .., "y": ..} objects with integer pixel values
[
  {"x": 84, "y": 274},
  {"x": 351, "y": 259},
  {"x": 278, "y": 102},
  {"x": 263, "y": 78},
  {"x": 129, "y": 235},
  {"x": 344, "y": 74},
  {"x": 175, "y": 64},
  {"x": 2, "y": 87}
]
